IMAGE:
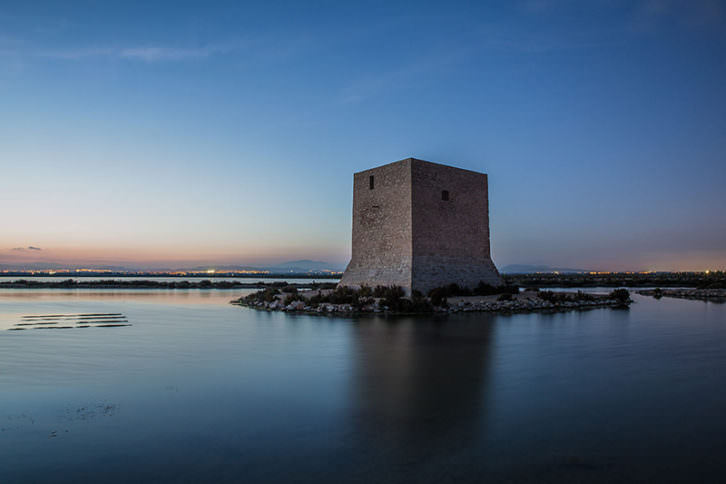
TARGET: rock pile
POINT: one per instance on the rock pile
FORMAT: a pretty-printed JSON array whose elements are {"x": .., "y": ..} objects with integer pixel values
[{"x": 521, "y": 303}]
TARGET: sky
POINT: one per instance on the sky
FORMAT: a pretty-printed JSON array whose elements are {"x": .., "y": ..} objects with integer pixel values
[{"x": 169, "y": 134}]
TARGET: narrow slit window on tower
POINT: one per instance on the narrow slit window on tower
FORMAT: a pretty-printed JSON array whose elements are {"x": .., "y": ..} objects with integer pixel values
[
  {"x": 371, "y": 182},
  {"x": 445, "y": 195}
]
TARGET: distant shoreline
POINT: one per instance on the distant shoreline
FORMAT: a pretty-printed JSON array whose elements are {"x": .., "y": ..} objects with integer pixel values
[
  {"x": 149, "y": 284},
  {"x": 712, "y": 295},
  {"x": 620, "y": 279},
  {"x": 196, "y": 275},
  {"x": 703, "y": 280}
]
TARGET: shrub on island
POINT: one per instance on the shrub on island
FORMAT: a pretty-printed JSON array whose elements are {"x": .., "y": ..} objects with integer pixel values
[
  {"x": 391, "y": 298},
  {"x": 291, "y": 298},
  {"x": 265, "y": 295},
  {"x": 560, "y": 297},
  {"x": 621, "y": 295},
  {"x": 482, "y": 289}
]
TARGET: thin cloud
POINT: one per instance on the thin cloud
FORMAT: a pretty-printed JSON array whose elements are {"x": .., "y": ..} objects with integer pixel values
[
  {"x": 151, "y": 54},
  {"x": 372, "y": 85},
  {"x": 23, "y": 249},
  {"x": 77, "y": 54},
  {"x": 142, "y": 53},
  {"x": 442, "y": 60}
]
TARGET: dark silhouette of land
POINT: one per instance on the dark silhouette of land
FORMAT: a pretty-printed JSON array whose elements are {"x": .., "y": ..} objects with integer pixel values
[
  {"x": 703, "y": 280},
  {"x": 151, "y": 284},
  {"x": 190, "y": 275}
]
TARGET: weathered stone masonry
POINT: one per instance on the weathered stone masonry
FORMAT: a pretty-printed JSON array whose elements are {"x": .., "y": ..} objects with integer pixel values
[{"x": 420, "y": 225}]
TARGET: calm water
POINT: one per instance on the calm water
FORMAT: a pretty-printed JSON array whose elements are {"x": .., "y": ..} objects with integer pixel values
[{"x": 200, "y": 390}]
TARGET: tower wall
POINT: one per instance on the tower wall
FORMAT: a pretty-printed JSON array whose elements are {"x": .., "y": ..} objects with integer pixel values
[
  {"x": 382, "y": 228},
  {"x": 450, "y": 237},
  {"x": 408, "y": 232}
]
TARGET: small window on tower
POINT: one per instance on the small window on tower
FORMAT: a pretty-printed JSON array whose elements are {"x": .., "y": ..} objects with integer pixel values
[
  {"x": 445, "y": 195},
  {"x": 371, "y": 182}
]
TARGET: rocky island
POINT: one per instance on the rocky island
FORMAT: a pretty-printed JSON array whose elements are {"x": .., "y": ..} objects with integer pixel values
[
  {"x": 700, "y": 294},
  {"x": 448, "y": 299}
]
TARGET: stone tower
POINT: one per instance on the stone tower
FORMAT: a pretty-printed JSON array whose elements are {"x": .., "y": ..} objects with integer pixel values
[{"x": 420, "y": 225}]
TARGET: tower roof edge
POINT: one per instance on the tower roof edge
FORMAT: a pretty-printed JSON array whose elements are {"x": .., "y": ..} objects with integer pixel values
[{"x": 416, "y": 161}]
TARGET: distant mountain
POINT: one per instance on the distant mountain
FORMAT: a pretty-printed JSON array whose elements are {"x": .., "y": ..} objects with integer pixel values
[
  {"x": 306, "y": 266},
  {"x": 218, "y": 268},
  {"x": 299, "y": 266},
  {"x": 528, "y": 269},
  {"x": 44, "y": 266},
  {"x": 295, "y": 266},
  {"x": 30, "y": 266}
]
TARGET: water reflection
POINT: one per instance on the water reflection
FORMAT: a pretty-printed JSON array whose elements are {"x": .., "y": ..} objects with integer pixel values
[
  {"x": 420, "y": 388},
  {"x": 16, "y": 303},
  {"x": 163, "y": 296},
  {"x": 200, "y": 390}
]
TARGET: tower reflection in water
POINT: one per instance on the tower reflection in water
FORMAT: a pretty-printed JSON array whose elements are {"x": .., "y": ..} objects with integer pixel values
[{"x": 419, "y": 393}]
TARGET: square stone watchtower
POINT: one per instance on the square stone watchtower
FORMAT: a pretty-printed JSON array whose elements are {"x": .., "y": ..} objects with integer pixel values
[{"x": 420, "y": 225}]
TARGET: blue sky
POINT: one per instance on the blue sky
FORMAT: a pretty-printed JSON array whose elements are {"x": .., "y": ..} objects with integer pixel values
[{"x": 228, "y": 133}]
